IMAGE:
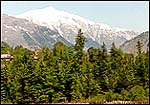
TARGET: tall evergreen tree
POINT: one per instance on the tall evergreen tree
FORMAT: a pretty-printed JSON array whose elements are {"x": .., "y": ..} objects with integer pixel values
[
  {"x": 22, "y": 68},
  {"x": 5, "y": 81},
  {"x": 80, "y": 40},
  {"x": 139, "y": 47}
]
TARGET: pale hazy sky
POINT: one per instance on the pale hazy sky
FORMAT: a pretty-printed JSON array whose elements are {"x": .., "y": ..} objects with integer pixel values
[{"x": 129, "y": 15}]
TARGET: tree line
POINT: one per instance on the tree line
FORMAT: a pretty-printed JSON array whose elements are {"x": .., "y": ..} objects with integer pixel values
[{"x": 69, "y": 74}]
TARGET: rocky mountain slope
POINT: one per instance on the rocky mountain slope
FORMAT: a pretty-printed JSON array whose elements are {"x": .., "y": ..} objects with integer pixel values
[
  {"x": 130, "y": 45},
  {"x": 44, "y": 27}
]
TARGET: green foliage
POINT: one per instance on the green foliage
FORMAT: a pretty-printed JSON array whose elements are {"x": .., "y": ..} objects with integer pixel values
[
  {"x": 4, "y": 44},
  {"x": 117, "y": 96},
  {"x": 109, "y": 95},
  {"x": 124, "y": 94},
  {"x": 139, "y": 47},
  {"x": 137, "y": 93},
  {"x": 5, "y": 81},
  {"x": 147, "y": 93},
  {"x": 22, "y": 68},
  {"x": 4, "y": 47},
  {"x": 68, "y": 74},
  {"x": 80, "y": 40},
  {"x": 99, "y": 99}
]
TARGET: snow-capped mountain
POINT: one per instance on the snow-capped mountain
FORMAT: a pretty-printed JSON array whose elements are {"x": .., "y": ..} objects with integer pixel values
[{"x": 56, "y": 25}]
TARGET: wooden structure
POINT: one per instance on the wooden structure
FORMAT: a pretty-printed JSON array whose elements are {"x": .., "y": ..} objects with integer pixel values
[{"x": 8, "y": 57}]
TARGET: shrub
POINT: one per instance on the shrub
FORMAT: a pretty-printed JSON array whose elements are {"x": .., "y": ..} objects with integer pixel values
[
  {"x": 124, "y": 94},
  {"x": 137, "y": 93},
  {"x": 147, "y": 93},
  {"x": 109, "y": 95},
  {"x": 117, "y": 96},
  {"x": 99, "y": 99}
]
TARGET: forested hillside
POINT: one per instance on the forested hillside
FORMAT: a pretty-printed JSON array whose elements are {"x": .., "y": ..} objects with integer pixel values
[{"x": 68, "y": 74}]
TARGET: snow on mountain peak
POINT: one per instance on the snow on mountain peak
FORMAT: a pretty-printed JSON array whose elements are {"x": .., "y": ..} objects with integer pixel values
[
  {"x": 50, "y": 17},
  {"x": 63, "y": 26},
  {"x": 121, "y": 29},
  {"x": 41, "y": 15},
  {"x": 104, "y": 26}
]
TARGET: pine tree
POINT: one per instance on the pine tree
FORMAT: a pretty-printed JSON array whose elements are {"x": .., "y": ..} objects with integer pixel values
[
  {"x": 22, "y": 68},
  {"x": 141, "y": 67},
  {"x": 65, "y": 74},
  {"x": 5, "y": 81},
  {"x": 139, "y": 47},
  {"x": 80, "y": 40},
  {"x": 77, "y": 66},
  {"x": 104, "y": 50},
  {"x": 116, "y": 56}
]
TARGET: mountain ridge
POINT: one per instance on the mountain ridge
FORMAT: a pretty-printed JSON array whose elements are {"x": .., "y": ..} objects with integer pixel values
[
  {"x": 130, "y": 45},
  {"x": 60, "y": 14},
  {"x": 65, "y": 27}
]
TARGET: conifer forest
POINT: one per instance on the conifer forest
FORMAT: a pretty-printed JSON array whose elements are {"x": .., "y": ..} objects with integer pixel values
[{"x": 65, "y": 74}]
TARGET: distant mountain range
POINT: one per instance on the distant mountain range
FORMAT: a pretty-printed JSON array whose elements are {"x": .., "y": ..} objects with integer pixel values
[
  {"x": 45, "y": 27},
  {"x": 130, "y": 45}
]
